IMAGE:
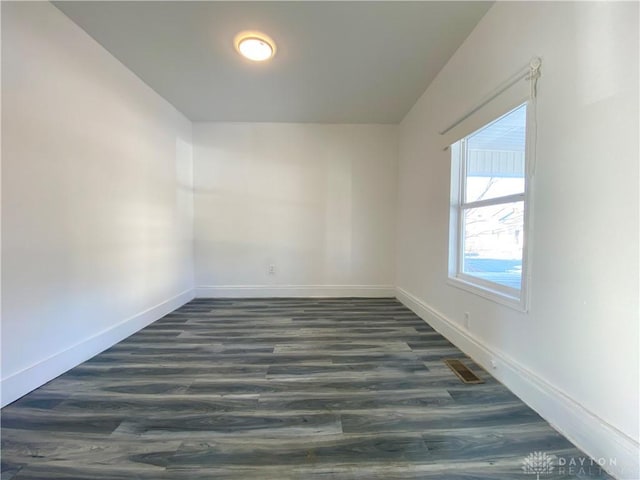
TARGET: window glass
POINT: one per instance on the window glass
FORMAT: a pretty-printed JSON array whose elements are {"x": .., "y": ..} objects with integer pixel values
[
  {"x": 495, "y": 158},
  {"x": 493, "y": 240},
  {"x": 488, "y": 215}
]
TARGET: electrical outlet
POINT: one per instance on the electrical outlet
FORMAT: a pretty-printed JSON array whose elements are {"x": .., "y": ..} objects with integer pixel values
[
  {"x": 272, "y": 269},
  {"x": 494, "y": 364},
  {"x": 467, "y": 320}
]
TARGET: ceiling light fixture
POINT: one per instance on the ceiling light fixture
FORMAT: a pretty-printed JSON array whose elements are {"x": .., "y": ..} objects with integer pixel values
[{"x": 255, "y": 46}]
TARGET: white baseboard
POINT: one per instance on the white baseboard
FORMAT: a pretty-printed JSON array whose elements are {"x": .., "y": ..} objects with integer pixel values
[
  {"x": 24, "y": 381},
  {"x": 586, "y": 430},
  {"x": 265, "y": 291}
]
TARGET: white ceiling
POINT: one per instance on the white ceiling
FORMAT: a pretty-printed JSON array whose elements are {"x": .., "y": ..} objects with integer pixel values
[{"x": 337, "y": 62}]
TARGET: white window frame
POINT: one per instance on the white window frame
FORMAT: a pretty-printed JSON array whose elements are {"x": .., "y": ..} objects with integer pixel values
[{"x": 502, "y": 294}]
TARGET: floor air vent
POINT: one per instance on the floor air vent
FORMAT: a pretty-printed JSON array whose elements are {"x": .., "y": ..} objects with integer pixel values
[{"x": 462, "y": 371}]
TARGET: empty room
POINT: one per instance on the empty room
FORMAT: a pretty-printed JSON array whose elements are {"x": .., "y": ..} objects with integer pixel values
[{"x": 320, "y": 240}]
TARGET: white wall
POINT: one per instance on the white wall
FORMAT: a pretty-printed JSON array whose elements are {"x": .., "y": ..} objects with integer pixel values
[
  {"x": 97, "y": 233},
  {"x": 316, "y": 201},
  {"x": 96, "y": 199},
  {"x": 574, "y": 356}
]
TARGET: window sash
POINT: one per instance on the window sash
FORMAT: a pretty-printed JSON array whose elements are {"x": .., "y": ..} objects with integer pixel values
[
  {"x": 472, "y": 279},
  {"x": 490, "y": 286},
  {"x": 516, "y": 197},
  {"x": 459, "y": 274},
  {"x": 461, "y": 206}
]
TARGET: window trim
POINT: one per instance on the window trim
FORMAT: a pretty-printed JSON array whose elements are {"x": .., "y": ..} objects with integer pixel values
[{"x": 501, "y": 294}]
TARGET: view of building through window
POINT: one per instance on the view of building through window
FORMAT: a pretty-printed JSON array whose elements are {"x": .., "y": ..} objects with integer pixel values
[{"x": 493, "y": 203}]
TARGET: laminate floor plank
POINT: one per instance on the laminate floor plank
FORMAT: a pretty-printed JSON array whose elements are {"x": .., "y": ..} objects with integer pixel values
[{"x": 282, "y": 388}]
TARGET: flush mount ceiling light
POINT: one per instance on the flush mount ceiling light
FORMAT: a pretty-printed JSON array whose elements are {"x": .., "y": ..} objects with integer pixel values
[{"x": 255, "y": 46}]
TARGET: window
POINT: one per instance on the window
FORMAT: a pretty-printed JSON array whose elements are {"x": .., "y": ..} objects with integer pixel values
[{"x": 489, "y": 209}]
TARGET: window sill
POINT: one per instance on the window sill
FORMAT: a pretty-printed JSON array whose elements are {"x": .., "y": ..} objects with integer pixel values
[{"x": 514, "y": 303}]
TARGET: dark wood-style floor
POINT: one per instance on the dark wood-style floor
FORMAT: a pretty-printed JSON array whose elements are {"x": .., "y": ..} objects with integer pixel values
[{"x": 276, "y": 389}]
